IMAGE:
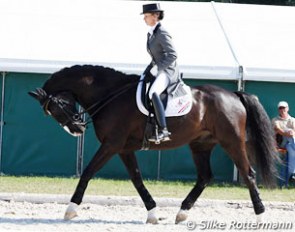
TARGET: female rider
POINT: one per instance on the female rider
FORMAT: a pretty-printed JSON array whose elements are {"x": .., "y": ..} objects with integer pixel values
[{"x": 163, "y": 66}]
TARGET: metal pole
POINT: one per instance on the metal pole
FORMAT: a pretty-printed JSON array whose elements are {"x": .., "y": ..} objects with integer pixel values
[
  {"x": 225, "y": 34},
  {"x": 80, "y": 151},
  {"x": 241, "y": 87},
  {"x": 240, "y": 75},
  {"x": 2, "y": 118},
  {"x": 159, "y": 165},
  {"x": 241, "y": 83}
]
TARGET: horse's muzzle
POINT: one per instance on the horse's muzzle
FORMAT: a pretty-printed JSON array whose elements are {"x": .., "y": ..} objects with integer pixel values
[{"x": 75, "y": 129}]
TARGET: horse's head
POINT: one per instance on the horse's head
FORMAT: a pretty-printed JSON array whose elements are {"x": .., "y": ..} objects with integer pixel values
[{"x": 62, "y": 107}]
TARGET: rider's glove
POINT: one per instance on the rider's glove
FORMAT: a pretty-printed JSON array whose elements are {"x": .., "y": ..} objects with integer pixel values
[{"x": 148, "y": 77}]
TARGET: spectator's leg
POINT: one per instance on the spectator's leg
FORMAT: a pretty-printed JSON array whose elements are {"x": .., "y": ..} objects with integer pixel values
[
  {"x": 283, "y": 169},
  {"x": 291, "y": 159}
]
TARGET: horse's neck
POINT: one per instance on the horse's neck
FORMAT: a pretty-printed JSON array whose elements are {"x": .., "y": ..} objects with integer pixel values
[{"x": 102, "y": 91}]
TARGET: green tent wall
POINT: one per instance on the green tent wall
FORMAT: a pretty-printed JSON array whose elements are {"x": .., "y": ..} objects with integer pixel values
[{"x": 31, "y": 142}]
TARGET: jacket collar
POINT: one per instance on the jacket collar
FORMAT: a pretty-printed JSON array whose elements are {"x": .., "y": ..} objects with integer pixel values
[{"x": 154, "y": 29}]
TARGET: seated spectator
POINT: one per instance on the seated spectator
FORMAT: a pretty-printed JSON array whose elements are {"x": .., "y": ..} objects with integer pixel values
[{"x": 284, "y": 126}]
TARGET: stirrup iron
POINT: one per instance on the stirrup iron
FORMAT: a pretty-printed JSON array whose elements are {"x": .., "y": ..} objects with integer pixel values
[{"x": 160, "y": 137}]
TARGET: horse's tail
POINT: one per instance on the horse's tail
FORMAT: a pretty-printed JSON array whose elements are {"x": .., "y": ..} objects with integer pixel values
[{"x": 260, "y": 139}]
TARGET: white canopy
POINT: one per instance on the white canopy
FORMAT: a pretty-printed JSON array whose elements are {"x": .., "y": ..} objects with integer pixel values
[{"x": 213, "y": 40}]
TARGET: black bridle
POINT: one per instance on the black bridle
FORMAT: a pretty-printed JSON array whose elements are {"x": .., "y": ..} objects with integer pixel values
[
  {"x": 77, "y": 118},
  {"x": 74, "y": 118}
]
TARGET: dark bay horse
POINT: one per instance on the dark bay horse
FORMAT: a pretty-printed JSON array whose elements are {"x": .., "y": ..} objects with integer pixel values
[{"x": 235, "y": 120}]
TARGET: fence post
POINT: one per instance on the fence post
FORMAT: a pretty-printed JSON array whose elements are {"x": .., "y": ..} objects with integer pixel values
[
  {"x": 2, "y": 117},
  {"x": 159, "y": 165},
  {"x": 80, "y": 150}
]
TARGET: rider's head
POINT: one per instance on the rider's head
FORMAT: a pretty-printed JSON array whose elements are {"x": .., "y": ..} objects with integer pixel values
[{"x": 152, "y": 13}]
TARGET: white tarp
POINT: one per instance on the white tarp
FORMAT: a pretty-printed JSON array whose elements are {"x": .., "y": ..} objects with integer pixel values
[
  {"x": 263, "y": 39},
  {"x": 212, "y": 39}
]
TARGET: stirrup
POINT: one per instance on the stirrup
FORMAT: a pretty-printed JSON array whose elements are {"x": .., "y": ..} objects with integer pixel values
[
  {"x": 162, "y": 136},
  {"x": 165, "y": 134}
]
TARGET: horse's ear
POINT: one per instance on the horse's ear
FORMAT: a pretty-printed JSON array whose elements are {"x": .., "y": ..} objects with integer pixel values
[
  {"x": 40, "y": 94},
  {"x": 33, "y": 94}
]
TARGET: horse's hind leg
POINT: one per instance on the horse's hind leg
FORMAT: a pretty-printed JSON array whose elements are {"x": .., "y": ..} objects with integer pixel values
[
  {"x": 249, "y": 176},
  {"x": 237, "y": 151},
  {"x": 201, "y": 156},
  {"x": 129, "y": 159}
]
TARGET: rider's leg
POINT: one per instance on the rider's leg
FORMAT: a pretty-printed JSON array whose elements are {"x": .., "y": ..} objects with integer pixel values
[
  {"x": 159, "y": 85},
  {"x": 161, "y": 119}
]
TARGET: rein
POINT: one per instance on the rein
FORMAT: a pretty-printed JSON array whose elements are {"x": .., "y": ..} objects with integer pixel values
[{"x": 102, "y": 103}]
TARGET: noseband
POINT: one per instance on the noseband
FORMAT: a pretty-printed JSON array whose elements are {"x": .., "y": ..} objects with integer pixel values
[{"x": 74, "y": 118}]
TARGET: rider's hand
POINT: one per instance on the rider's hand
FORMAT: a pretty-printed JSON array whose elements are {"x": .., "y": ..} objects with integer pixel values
[{"x": 148, "y": 77}]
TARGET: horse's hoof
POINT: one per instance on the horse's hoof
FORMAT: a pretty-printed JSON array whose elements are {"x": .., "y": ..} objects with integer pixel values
[
  {"x": 70, "y": 215},
  {"x": 181, "y": 216},
  {"x": 259, "y": 218},
  {"x": 152, "y": 219},
  {"x": 71, "y": 211}
]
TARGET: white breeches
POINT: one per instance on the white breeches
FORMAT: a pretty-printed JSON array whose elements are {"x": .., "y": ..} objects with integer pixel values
[{"x": 159, "y": 85}]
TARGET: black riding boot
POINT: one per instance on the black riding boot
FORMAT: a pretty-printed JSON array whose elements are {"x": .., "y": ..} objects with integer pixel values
[{"x": 163, "y": 134}]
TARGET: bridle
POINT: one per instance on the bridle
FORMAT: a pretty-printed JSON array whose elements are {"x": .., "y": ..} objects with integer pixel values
[
  {"x": 74, "y": 118},
  {"x": 77, "y": 118}
]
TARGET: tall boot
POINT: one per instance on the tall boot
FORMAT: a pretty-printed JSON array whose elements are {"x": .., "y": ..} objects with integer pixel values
[{"x": 163, "y": 134}]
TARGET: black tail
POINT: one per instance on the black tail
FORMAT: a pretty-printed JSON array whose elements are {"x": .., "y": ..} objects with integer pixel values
[{"x": 261, "y": 137}]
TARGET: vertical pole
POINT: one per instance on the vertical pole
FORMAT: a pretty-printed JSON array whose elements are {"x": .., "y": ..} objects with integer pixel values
[
  {"x": 241, "y": 71},
  {"x": 2, "y": 118},
  {"x": 241, "y": 87},
  {"x": 241, "y": 83},
  {"x": 159, "y": 165},
  {"x": 80, "y": 151}
]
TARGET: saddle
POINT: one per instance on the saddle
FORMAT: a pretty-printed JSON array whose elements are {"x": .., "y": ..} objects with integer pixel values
[{"x": 177, "y": 101}]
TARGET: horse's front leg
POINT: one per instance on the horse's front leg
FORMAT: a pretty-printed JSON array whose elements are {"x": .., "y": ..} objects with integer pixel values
[
  {"x": 129, "y": 159},
  {"x": 100, "y": 158}
]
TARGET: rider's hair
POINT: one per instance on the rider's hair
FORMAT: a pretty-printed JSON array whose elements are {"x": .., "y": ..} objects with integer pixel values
[{"x": 159, "y": 14}]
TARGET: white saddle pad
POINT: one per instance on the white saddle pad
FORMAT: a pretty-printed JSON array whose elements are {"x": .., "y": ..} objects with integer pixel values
[{"x": 176, "y": 106}]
